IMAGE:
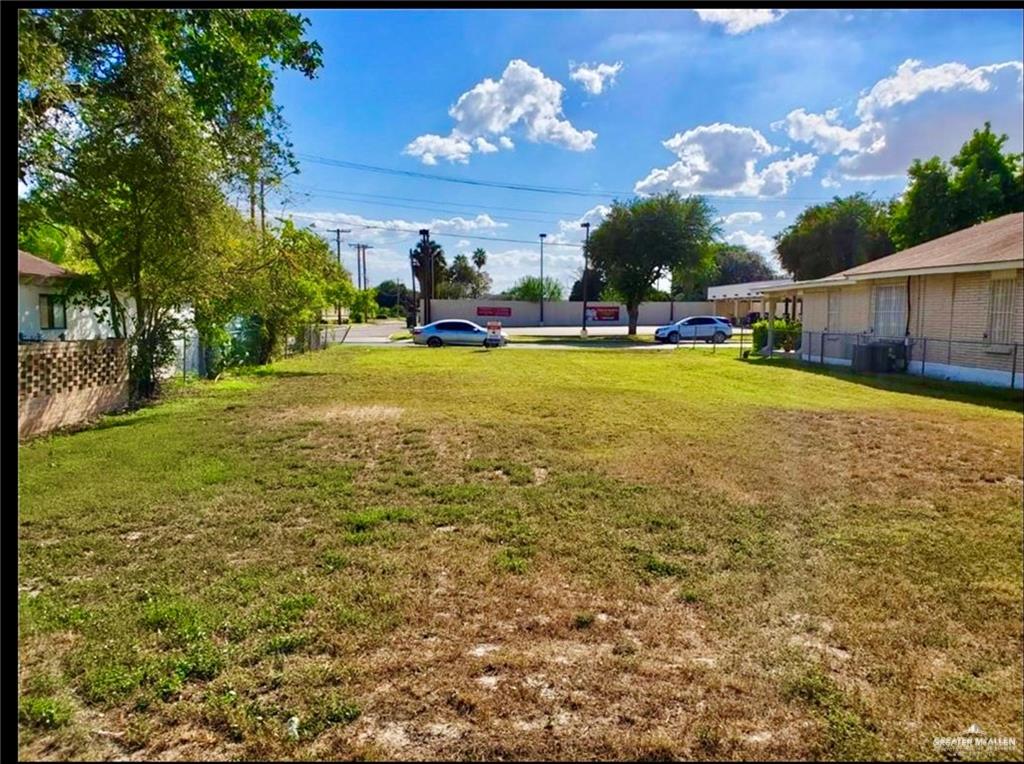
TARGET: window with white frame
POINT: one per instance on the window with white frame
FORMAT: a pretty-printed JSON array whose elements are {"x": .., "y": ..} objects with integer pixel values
[
  {"x": 832, "y": 323},
  {"x": 1000, "y": 310},
  {"x": 890, "y": 312}
]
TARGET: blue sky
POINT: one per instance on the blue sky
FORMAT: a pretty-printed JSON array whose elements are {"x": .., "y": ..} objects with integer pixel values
[{"x": 765, "y": 112}]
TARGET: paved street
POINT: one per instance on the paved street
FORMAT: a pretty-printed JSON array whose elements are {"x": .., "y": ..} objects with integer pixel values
[{"x": 375, "y": 333}]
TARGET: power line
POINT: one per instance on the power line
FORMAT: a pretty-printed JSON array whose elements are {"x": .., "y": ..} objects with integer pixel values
[
  {"x": 342, "y": 196},
  {"x": 327, "y": 191},
  {"x": 557, "y": 190},
  {"x": 466, "y": 181},
  {"x": 436, "y": 233}
]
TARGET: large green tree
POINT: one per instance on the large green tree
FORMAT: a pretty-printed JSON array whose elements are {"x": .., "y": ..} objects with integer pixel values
[
  {"x": 725, "y": 264},
  {"x": 835, "y": 236},
  {"x": 981, "y": 182},
  {"x": 135, "y": 179},
  {"x": 645, "y": 239},
  {"x": 465, "y": 280},
  {"x": 225, "y": 61},
  {"x": 131, "y": 122},
  {"x": 430, "y": 269}
]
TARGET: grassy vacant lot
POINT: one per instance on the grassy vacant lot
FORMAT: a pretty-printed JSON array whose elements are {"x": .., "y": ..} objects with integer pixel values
[{"x": 472, "y": 554}]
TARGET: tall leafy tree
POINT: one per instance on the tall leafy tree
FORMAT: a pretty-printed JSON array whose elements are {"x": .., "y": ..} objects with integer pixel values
[
  {"x": 643, "y": 240},
  {"x": 986, "y": 184},
  {"x": 135, "y": 179},
  {"x": 926, "y": 210},
  {"x": 463, "y": 280},
  {"x": 831, "y": 237},
  {"x": 981, "y": 182},
  {"x": 596, "y": 283},
  {"x": 725, "y": 264},
  {"x": 429, "y": 266},
  {"x": 391, "y": 293},
  {"x": 225, "y": 61},
  {"x": 296, "y": 278}
]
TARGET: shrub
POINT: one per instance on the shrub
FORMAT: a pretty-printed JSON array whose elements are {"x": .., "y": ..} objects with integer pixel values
[
  {"x": 787, "y": 334},
  {"x": 44, "y": 712}
]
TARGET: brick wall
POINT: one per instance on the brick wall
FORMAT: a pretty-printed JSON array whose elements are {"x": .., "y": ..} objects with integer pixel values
[{"x": 63, "y": 383}]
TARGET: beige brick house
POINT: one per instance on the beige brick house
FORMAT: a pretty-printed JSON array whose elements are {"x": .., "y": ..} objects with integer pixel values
[{"x": 957, "y": 302}]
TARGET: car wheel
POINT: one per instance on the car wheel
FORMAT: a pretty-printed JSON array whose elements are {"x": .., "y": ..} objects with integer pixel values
[
  {"x": 719, "y": 338},
  {"x": 434, "y": 342},
  {"x": 673, "y": 337}
]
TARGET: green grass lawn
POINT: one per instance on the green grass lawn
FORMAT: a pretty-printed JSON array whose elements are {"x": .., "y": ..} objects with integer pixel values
[{"x": 471, "y": 554}]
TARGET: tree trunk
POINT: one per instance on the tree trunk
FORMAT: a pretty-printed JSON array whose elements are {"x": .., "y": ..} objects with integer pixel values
[{"x": 634, "y": 315}]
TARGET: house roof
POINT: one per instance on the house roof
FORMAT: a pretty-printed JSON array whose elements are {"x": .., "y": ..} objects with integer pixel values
[
  {"x": 995, "y": 244},
  {"x": 997, "y": 241},
  {"x": 30, "y": 265},
  {"x": 746, "y": 289}
]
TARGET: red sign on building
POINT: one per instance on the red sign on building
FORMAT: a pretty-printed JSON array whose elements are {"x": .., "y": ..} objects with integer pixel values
[
  {"x": 483, "y": 310},
  {"x": 603, "y": 313}
]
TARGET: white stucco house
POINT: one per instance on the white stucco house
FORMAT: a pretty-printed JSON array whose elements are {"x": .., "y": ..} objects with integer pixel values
[
  {"x": 44, "y": 317},
  {"x": 42, "y": 314}
]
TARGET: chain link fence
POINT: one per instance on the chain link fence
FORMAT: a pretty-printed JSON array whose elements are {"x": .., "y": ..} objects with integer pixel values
[
  {"x": 315, "y": 337},
  {"x": 982, "y": 361}
]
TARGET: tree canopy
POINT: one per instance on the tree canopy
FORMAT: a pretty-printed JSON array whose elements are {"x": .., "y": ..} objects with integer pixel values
[
  {"x": 131, "y": 122},
  {"x": 223, "y": 59},
  {"x": 530, "y": 289},
  {"x": 980, "y": 183},
  {"x": 643, "y": 240},
  {"x": 831, "y": 237}
]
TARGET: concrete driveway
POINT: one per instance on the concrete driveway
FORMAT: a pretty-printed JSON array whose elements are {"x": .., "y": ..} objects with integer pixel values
[{"x": 375, "y": 333}]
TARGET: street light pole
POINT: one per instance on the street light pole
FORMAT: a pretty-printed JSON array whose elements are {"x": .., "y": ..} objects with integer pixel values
[
  {"x": 586, "y": 253},
  {"x": 542, "y": 237}
]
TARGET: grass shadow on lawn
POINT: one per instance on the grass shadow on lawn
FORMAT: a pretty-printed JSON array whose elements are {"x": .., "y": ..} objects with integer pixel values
[{"x": 961, "y": 392}]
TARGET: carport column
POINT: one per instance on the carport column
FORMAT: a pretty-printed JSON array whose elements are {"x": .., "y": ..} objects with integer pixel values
[
  {"x": 771, "y": 325},
  {"x": 736, "y": 311}
]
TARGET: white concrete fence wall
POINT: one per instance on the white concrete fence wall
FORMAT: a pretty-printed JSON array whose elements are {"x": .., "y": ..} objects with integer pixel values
[{"x": 562, "y": 312}]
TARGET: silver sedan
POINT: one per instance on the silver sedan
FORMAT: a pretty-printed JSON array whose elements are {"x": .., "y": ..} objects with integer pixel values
[{"x": 453, "y": 332}]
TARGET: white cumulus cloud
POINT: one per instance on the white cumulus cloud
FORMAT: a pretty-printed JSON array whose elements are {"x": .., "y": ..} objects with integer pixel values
[
  {"x": 723, "y": 159},
  {"x": 523, "y": 98},
  {"x": 780, "y": 215},
  {"x": 759, "y": 242},
  {"x": 739, "y": 21},
  {"x": 743, "y": 218},
  {"x": 917, "y": 113},
  {"x": 825, "y": 134},
  {"x": 570, "y": 231},
  {"x": 484, "y": 146},
  {"x": 594, "y": 76},
  {"x": 430, "y": 146}
]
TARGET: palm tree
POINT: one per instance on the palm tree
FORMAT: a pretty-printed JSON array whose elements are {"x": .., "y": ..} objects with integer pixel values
[{"x": 479, "y": 258}]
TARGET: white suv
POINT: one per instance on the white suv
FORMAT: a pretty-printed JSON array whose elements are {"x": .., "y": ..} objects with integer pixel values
[{"x": 708, "y": 328}]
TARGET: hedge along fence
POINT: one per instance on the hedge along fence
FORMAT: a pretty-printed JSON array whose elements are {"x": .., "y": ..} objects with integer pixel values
[{"x": 787, "y": 334}]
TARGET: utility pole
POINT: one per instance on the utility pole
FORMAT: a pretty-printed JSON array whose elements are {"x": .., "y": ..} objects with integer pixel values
[
  {"x": 337, "y": 234},
  {"x": 366, "y": 277},
  {"x": 362, "y": 282},
  {"x": 586, "y": 253},
  {"x": 542, "y": 237},
  {"x": 429, "y": 252},
  {"x": 412, "y": 270},
  {"x": 359, "y": 265}
]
